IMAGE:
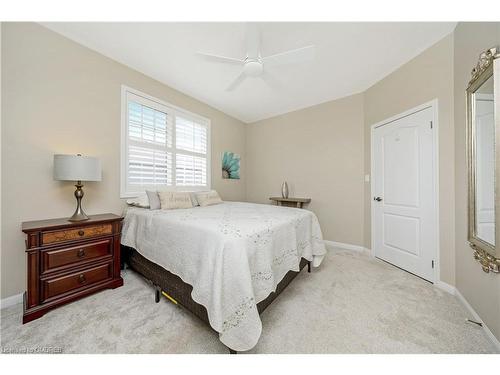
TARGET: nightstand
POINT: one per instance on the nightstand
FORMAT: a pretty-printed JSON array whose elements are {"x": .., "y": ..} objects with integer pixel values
[
  {"x": 291, "y": 202},
  {"x": 70, "y": 260}
]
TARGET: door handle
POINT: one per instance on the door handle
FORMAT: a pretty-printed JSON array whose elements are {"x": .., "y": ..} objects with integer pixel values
[{"x": 378, "y": 199}]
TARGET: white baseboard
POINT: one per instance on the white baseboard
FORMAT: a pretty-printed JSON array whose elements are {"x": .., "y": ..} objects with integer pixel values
[
  {"x": 11, "y": 301},
  {"x": 446, "y": 287},
  {"x": 452, "y": 290},
  {"x": 346, "y": 246},
  {"x": 476, "y": 317}
]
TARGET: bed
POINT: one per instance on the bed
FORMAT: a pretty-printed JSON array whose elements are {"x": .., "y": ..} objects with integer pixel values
[{"x": 226, "y": 263}]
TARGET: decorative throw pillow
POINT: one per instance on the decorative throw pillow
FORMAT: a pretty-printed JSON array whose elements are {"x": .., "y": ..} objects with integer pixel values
[
  {"x": 154, "y": 200},
  {"x": 172, "y": 199},
  {"x": 208, "y": 198},
  {"x": 140, "y": 201}
]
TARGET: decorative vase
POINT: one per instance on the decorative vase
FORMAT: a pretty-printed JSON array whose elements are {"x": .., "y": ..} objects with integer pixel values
[{"x": 284, "y": 190}]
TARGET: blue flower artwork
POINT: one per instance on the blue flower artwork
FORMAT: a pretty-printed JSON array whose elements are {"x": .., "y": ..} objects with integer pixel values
[{"x": 230, "y": 165}]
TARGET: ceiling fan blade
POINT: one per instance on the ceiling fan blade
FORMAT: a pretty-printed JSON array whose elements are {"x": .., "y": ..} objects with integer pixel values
[
  {"x": 252, "y": 40},
  {"x": 298, "y": 55},
  {"x": 221, "y": 59},
  {"x": 236, "y": 82}
]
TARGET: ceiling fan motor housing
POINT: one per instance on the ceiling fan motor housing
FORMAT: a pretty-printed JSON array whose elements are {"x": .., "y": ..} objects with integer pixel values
[{"x": 253, "y": 67}]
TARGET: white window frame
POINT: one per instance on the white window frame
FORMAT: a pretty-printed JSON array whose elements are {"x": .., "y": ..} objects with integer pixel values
[{"x": 172, "y": 111}]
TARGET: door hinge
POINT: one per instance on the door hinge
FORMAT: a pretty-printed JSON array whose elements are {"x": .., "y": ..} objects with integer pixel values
[
  {"x": 432, "y": 264},
  {"x": 431, "y": 124}
]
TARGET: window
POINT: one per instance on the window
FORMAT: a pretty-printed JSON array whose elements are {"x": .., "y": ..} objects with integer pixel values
[{"x": 163, "y": 147}]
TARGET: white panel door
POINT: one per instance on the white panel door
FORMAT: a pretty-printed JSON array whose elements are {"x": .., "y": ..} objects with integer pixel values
[{"x": 404, "y": 227}]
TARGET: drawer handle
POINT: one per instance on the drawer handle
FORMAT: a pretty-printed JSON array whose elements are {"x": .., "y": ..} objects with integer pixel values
[
  {"x": 81, "y": 253},
  {"x": 81, "y": 278},
  {"x": 81, "y": 232}
]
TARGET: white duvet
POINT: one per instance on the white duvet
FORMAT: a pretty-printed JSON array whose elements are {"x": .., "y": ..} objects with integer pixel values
[{"x": 233, "y": 254}]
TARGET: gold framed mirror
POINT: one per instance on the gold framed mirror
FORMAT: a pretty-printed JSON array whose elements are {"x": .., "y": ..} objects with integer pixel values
[{"x": 483, "y": 159}]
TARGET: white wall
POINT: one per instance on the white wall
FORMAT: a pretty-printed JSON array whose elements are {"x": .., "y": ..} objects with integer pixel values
[{"x": 319, "y": 152}]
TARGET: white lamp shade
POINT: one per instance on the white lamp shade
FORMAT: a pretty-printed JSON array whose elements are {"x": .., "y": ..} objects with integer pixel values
[{"x": 76, "y": 168}]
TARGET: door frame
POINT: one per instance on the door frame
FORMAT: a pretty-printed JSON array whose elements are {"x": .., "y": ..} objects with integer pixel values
[{"x": 433, "y": 104}]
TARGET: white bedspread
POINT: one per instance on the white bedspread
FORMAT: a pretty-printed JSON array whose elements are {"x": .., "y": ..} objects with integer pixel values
[{"x": 233, "y": 254}]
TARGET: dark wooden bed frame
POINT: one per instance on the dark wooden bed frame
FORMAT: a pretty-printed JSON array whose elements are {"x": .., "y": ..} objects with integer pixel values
[{"x": 173, "y": 286}]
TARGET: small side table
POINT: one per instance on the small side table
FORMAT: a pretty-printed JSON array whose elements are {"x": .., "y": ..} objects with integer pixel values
[{"x": 290, "y": 202}]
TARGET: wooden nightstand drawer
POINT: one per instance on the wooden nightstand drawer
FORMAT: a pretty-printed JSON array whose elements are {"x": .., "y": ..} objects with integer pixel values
[
  {"x": 55, "y": 259},
  {"x": 76, "y": 234},
  {"x": 57, "y": 286}
]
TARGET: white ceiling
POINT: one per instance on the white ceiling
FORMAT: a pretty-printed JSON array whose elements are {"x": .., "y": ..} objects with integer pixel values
[{"x": 350, "y": 57}]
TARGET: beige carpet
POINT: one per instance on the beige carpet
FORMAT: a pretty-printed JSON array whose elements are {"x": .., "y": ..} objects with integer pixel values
[{"x": 352, "y": 304}]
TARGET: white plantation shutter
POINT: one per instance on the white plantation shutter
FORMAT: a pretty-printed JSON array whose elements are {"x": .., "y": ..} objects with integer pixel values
[
  {"x": 190, "y": 170},
  {"x": 165, "y": 147},
  {"x": 190, "y": 135},
  {"x": 191, "y": 152},
  {"x": 148, "y": 167},
  {"x": 149, "y": 125}
]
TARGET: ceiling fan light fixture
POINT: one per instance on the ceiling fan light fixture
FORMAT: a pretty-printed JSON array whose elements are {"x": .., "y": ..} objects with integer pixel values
[{"x": 253, "y": 68}]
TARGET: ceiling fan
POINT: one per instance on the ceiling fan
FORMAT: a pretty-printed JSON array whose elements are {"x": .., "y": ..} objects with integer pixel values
[{"x": 254, "y": 63}]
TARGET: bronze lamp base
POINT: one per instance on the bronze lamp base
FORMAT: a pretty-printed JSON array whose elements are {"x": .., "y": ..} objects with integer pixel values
[{"x": 79, "y": 215}]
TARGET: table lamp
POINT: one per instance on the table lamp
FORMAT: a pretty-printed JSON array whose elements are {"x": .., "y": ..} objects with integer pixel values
[{"x": 77, "y": 168}]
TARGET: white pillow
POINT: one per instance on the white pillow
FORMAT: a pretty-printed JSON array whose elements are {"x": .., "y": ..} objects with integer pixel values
[
  {"x": 174, "y": 199},
  {"x": 153, "y": 199},
  {"x": 140, "y": 201},
  {"x": 208, "y": 198},
  {"x": 192, "y": 194}
]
